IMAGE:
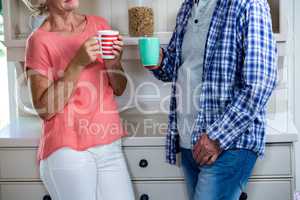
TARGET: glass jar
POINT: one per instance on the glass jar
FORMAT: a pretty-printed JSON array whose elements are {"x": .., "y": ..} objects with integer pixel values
[{"x": 141, "y": 18}]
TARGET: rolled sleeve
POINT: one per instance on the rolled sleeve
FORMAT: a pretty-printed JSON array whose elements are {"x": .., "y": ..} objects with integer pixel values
[
  {"x": 166, "y": 69},
  {"x": 37, "y": 57}
]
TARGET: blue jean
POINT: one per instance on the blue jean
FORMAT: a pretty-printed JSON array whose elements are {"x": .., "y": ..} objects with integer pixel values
[{"x": 224, "y": 180}]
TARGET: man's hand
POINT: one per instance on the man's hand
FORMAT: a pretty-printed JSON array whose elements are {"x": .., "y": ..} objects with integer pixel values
[{"x": 206, "y": 151}]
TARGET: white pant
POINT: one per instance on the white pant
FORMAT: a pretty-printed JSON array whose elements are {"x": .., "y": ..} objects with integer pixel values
[{"x": 99, "y": 173}]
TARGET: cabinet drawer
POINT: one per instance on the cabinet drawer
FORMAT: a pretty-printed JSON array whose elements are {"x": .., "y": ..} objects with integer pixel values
[
  {"x": 154, "y": 190},
  {"x": 22, "y": 191},
  {"x": 176, "y": 190},
  {"x": 270, "y": 190},
  {"x": 18, "y": 164},
  {"x": 277, "y": 161},
  {"x": 151, "y": 190},
  {"x": 149, "y": 162},
  {"x": 144, "y": 163},
  {"x": 160, "y": 190}
]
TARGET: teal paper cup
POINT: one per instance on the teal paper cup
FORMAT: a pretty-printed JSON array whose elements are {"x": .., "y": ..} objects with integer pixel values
[{"x": 149, "y": 51}]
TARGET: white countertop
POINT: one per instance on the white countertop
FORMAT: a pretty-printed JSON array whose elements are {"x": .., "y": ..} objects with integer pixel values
[{"x": 26, "y": 133}]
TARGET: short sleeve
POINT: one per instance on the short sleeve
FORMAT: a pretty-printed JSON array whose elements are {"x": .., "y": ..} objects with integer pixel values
[{"x": 37, "y": 57}]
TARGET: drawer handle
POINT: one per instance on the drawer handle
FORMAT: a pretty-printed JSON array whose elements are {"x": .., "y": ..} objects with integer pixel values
[
  {"x": 144, "y": 197},
  {"x": 47, "y": 197},
  {"x": 143, "y": 163}
]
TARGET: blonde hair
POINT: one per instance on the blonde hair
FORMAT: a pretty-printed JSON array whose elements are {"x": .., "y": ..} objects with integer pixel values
[{"x": 39, "y": 8}]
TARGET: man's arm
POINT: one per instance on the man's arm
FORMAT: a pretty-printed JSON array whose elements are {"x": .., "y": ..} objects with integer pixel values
[
  {"x": 258, "y": 77},
  {"x": 164, "y": 71},
  {"x": 166, "y": 68}
]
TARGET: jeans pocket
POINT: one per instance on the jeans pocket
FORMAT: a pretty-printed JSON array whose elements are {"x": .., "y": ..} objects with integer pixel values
[
  {"x": 228, "y": 162},
  {"x": 235, "y": 161}
]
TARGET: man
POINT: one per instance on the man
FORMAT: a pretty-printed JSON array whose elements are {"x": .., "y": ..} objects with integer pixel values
[{"x": 223, "y": 55}]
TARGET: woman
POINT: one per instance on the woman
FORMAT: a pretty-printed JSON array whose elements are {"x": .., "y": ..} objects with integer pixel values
[{"x": 73, "y": 91}]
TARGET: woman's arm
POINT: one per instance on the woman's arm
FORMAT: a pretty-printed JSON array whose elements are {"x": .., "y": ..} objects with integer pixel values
[
  {"x": 117, "y": 78},
  {"x": 50, "y": 97}
]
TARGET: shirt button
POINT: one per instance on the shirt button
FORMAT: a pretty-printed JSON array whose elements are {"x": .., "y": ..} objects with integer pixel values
[{"x": 196, "y": 21}]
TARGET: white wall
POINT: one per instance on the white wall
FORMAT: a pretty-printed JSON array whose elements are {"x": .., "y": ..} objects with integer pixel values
[{"x": 297, "y": 85}]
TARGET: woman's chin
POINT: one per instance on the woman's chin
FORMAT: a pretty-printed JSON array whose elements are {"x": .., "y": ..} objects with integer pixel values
[{"x": 70, "y": 5}]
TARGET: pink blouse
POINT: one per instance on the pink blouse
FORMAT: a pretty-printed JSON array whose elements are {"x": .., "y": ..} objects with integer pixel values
[{"x": 91, "y": 115}]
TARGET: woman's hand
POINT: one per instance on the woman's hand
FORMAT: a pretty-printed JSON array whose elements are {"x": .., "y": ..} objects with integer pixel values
[
  {"x": 117, "y": 51},
  {"x": 87, "y": 53}
]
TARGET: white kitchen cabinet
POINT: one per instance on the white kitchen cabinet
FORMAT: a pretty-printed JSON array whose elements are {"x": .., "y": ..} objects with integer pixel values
[
  {"x": 153, "y": 190},
  {"x": 22, "y": 191},
  {"x": 280, "y": 107},
  {"x": 273, "y": 177},
  {"x": 175, "y": 190},
  {"x": 149, "y": 163},
  {"x": 17, "y": 18},
  {"x": 16, "y": 15},
  {"x": 160, "y": 190},
  {"x": 270, "y": 189},
  {"x": 17, "y": 21},
  {"x": 12, "y": 159}
]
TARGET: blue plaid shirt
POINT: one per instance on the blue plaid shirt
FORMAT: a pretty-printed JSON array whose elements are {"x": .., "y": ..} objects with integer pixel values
[{"x": 238, "y": 78}]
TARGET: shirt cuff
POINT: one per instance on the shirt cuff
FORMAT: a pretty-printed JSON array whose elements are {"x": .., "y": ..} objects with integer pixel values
[
  {"x": 152, "y": 67},
  {"x": 216, "y": 133}
]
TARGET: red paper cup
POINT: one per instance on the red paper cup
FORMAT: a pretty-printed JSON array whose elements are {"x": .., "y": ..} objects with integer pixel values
[
  {"x": 106, "y": 39},
  {"x": 107, "y": 48},
  {"x": 105, "y": 44}
]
